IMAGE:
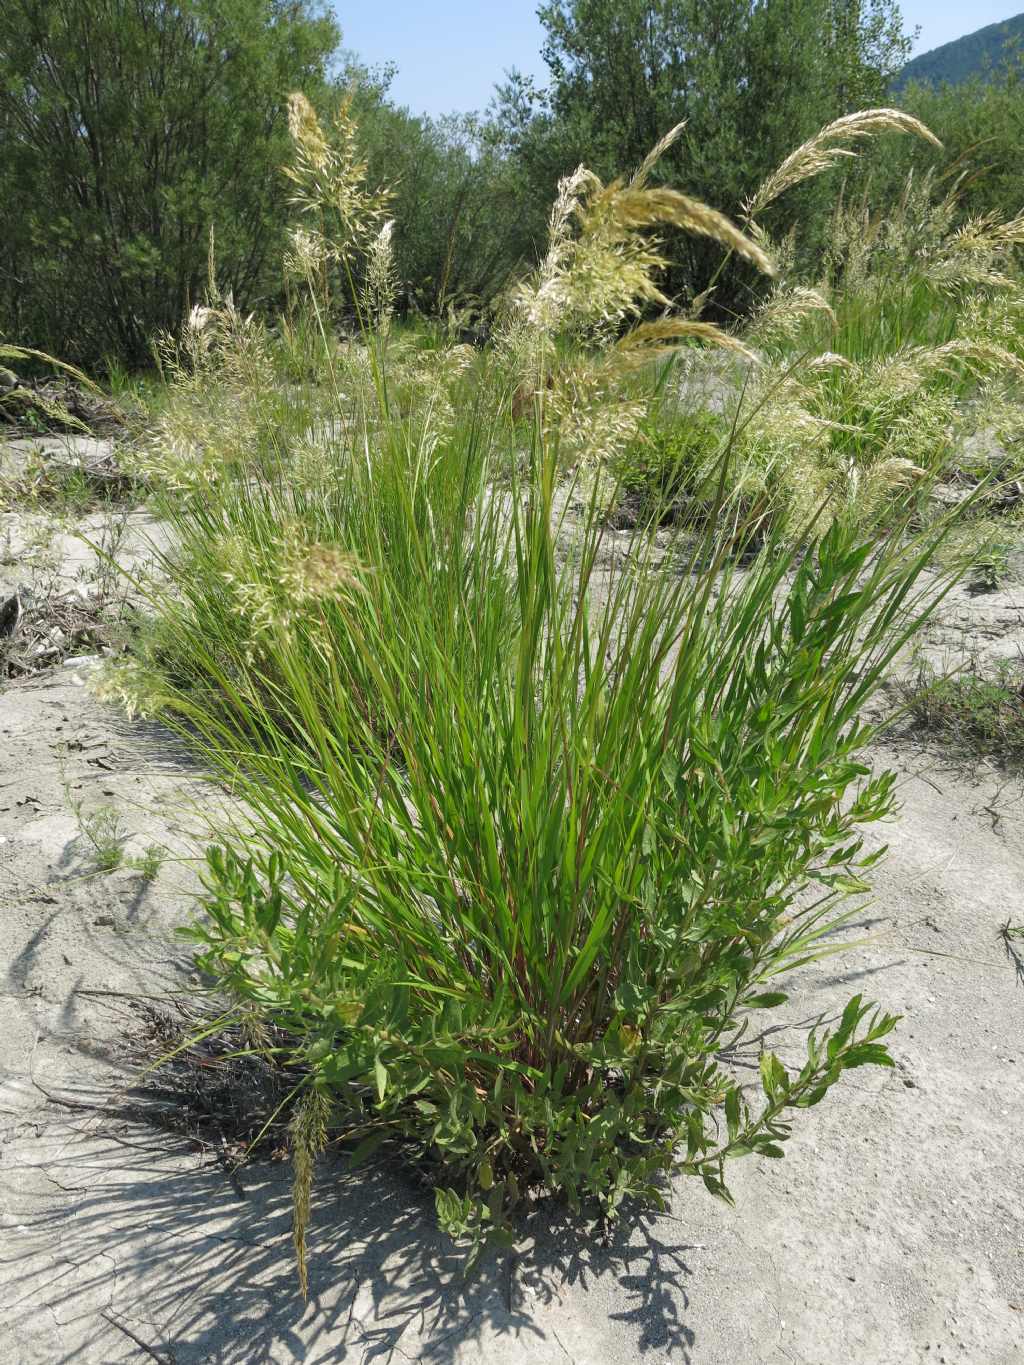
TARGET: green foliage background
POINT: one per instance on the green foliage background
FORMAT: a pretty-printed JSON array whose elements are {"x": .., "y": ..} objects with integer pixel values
[
  {"x": 131, "y": 129},
  {"x": 981, "y": 124},
  {"x": 752, "y": 81}
]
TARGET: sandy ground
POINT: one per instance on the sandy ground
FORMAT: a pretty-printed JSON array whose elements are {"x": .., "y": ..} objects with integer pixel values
[{"x": 891, "y": 1234}]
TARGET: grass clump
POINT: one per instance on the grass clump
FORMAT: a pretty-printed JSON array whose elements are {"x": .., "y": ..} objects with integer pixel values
[
  {"x": 516, "y": 926},
  {"x": 528, "y": 831},
  {"x": 992, "y": 566},
  {"x": 63, "y": 486},
  {"x": 663, "y": 473},
  {"x": 980, "y": 709},
  {"x": 103, "y": 832},
  {"x": 149, "y": 862}
]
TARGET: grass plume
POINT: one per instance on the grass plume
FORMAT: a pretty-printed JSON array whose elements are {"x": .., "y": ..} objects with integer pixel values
[{"x": 828, "y": 148}]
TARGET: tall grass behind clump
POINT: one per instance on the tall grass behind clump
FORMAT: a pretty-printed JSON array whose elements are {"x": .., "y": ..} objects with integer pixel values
[
  {"x": 930, "y": 313},
  {"x": 803, "y": 437},
  {"x": 283, "y": 459},
  {"x": 528, "y": 829},
  {"x": 872, "y": 377},
  {"x": 275, "y": 449},
  {"x": 918, "y": 273}
]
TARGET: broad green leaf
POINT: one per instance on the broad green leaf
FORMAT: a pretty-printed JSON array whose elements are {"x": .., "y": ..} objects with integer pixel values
[{"x": 381, "y": 1077}]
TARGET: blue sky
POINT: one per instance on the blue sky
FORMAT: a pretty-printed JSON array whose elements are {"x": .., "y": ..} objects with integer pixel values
[{"x": 450, "y": 53}]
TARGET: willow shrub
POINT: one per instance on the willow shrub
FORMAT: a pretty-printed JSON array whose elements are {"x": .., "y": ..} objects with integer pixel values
[{"x": 542, "y": 827}]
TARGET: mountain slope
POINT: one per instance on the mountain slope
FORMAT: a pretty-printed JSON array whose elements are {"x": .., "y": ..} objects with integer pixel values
[{"x": 968, "y": 56}]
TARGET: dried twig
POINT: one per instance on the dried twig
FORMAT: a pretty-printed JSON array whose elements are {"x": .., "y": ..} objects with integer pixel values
[
  {"x": 162, "y": 1359},
  {"x": 1011, "y": 934}
]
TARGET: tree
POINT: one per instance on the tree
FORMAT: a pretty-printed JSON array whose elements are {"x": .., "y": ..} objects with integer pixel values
[
  {"x": 866, "y": 48},
  {"x": 129, "y": 130},
  {"x": 981, "y": 124},
  {"x": 752, "y": 79}
]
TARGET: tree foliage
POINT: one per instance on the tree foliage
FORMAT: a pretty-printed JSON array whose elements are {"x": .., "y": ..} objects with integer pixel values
[
  {"x": 981, "y": 124},
  {"x": 750, "y": 79},
  {"x": 129, "y": 130},
  {"x": 132, "y": 129}
]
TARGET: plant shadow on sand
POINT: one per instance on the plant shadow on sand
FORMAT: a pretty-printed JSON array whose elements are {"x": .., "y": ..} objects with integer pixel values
[
  {"x": 150, "y": 1233},
  {"x": 200, "y": 1267}
]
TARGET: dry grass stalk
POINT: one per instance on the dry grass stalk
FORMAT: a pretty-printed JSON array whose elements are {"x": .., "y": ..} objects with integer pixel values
[
  {"x": 654, "y": 339},
  {"x": 38, "y": 635},
  {"x": 828, "y": 147},
  {"x": 330, "y": 179}
]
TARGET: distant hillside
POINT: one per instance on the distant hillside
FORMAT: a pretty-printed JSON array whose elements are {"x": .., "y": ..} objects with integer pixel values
[{"x": 968, "y": 56}]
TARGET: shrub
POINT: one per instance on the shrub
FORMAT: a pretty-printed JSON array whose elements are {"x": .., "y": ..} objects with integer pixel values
[
  {"x": 526, "y": 831},
  {"x": 110, "y": 186}
]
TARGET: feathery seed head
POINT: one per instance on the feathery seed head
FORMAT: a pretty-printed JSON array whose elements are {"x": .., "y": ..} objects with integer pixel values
[
  {"x": 784, "y": 312},
  {"x": 591, "y": 280},
  {"x": 897, "y": 471},
  {"x": 306, "y": 133},
  {"x": 986, "y": 233},
  {"x": 308, "y": 1138},
  {"x": 322, "y": 573},
  {"x": 329, "y": 179},
  {"x": 652, "y": 340},
  {"x": 643, "y": 171},
  {"x": 307, "y": 254},
  {"x": 381, "y": 282},
  {"x": 829, "y": 360},
  {"x": 647, "y": 208},
  {"x": 828, "y": 147},
  {"x": 904, "y": 371},
  {"x": 975, "y": 256}
]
